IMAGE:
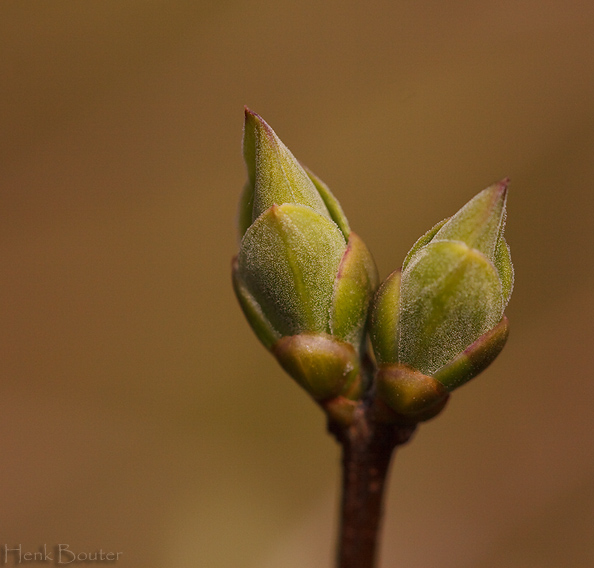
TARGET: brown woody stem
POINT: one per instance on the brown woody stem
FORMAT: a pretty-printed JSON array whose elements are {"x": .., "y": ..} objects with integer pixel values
[{"x": 367, "y": 448}]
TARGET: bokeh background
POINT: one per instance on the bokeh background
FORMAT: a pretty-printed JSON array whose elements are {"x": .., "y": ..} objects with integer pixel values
[{"x": 139, "y": 414}]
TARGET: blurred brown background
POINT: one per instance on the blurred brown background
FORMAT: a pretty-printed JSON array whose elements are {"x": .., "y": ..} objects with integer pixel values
[{"x": 140, "y": 414}]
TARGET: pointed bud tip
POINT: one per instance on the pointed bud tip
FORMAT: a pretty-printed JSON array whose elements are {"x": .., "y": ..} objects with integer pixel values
[
  {"x": 251, "y": 117},
  {"x": 498, "y": 190},
  {"x": 254, "y": 118},
  {"x": 501, "y": 187},
  {"x": 248, "y": 111},
  {"x": 499, "y": 193}
]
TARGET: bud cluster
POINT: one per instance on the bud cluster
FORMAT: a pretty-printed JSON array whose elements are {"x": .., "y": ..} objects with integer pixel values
[{"x": 308, "y": 286}]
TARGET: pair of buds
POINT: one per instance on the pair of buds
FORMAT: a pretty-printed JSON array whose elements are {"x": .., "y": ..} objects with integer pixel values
[{"x": 308, "y": 286}]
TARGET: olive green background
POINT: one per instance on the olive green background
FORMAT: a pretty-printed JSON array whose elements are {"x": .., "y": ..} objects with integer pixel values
[{"x": 138, "y": 411}]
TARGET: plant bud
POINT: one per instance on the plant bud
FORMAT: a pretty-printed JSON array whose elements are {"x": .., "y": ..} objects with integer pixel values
[
  {"x": 442, "y": 315},
  {"x": 303, "y": 279}
]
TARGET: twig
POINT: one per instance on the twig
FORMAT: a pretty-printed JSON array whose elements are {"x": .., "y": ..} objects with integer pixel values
[{"x": 367, "y": 448}]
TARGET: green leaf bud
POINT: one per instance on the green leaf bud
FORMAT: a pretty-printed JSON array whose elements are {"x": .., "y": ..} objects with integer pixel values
[
  {"x": 442, "y": 315},
  {"x": 303, "y": 279}
]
